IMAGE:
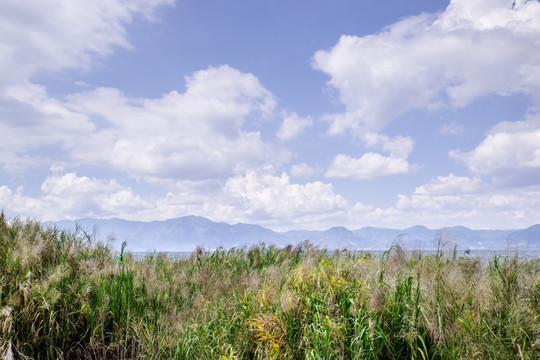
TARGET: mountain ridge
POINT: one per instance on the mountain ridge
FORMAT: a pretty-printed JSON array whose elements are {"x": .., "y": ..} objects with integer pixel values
[{"x": 188, "y": 232}]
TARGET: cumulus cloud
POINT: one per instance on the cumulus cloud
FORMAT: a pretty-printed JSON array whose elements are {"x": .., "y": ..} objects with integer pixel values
[
  {"x": 450, "y": 184},
  {"x": 72, "y": 196},
  {"x": 197, "y": 134},
  {"x": 293, "y": 125},
  {"x": 14, "y": 163},
  {"x": 31, "y": 120},
  {"x": 194, "y": 144},
  {"x": 38, "y": 119},
  {"x": 278, "y": 197},
  {"x": 264, "y": 197},
  {"x": 63, "y": 34},
  {"x": 257, "y": 196},
  {"x": 51, "y": 36},
  {"x": 397, "y": 146},
  {"x": 510, "y": 154},
  {"x": 373, "y": 165},
  {"x": 192, "y": 135},
  {"x": 434, "y": 60},
  {"x": 303, "y": 170},
  {"x": 455, "y": 200},
  {"x": 370, "y": 166}
]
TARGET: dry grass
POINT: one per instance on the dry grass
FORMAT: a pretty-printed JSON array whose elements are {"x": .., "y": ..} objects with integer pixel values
[{"x": 67, "y": 296}]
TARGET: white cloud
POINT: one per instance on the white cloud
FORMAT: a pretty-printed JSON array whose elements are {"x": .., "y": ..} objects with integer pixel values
[
  {"x": 454, "y": 200},
  {"x": 510, "y": 154},
  {"x": 194, "y": 145},
  {"x": 276, "y": 196},
  {"x": 449, "y": 185},
  {"x": 445, "y": 201},
  {"x": 51, "y": 36},
  {"x": 428, "y": 61},
  {"x": 293, "y": 125},
  {"x": 41, "y": 120},
  {"x": 398, "y": 146},
  {"x": 262, "y": 197},
  {"x": 369, "y": 167},
  {"x": 256, "y": 196},
  {"x": 374, "y": 165},
  {"x": 30, "y": 119},
  {"x": 5, "y": 194},
  {"x": 16, "y": 164},
  {"x": 452, "y": 129},
  {"x": 303, "y": 170},
  {"x": 55, "y": 34},
  {"x": 72, "y": 196},
  {"x": 194, "y": 135}
]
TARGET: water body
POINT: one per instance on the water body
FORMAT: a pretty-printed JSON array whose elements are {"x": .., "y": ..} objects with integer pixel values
[{"x": 484, "y": 254}]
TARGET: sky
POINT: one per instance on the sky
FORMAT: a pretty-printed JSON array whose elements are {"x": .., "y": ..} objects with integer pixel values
[{"x": 286, "y": 114}]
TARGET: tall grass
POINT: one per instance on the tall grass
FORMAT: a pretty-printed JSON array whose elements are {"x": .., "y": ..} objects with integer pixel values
[{"x": 67, "y": 296}]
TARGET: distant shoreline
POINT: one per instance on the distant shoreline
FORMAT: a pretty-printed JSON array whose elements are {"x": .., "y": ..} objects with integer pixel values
[{"x": 485, "y": 254}]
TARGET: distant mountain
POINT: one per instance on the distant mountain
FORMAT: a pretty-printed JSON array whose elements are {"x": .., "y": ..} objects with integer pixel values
[
  {"x": 376, "y": 238},
  {"x": 418, "y": 237},
  {"x": 528, "y": 238},
  {"x": 474, "y": 239},
  {"x": 181, "y": 234},
  {"x": 186, "y": 233}
]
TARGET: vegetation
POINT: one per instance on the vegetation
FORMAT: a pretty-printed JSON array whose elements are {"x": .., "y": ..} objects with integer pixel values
[{"x": 64, "y": 295}]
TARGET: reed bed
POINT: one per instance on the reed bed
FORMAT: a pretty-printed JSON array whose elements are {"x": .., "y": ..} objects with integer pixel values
[{"x": 68, "y": 296}]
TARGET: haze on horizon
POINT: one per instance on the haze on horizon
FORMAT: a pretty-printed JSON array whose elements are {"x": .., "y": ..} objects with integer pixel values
[{"x": 290, "y": 115}]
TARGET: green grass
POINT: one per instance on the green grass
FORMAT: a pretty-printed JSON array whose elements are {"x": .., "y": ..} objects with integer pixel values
[{"x": 65, "y": 295}]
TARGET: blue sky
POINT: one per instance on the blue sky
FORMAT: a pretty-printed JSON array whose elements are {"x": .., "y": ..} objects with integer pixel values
[{"x": 287, "y": 114}]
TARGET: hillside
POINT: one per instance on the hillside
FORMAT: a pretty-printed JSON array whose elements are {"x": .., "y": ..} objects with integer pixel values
[{"x": 186, "y": 233}]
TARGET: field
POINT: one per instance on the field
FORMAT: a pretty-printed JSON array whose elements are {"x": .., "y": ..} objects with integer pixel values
[{"x": 68, "y": 296}]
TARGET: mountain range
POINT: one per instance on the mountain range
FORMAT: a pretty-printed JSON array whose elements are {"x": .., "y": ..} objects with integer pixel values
[{"x": 186, "y": 233}]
